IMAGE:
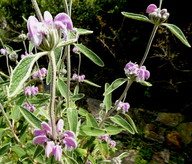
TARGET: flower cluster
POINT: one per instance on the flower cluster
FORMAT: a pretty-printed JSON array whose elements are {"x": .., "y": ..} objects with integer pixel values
[
  {"x": 3, "y": 51},
  {"x": 79, "y": 78},
  {"x": 54, "y": 147},
  {"x": 156, "y": 15},
  {"x": 26, "y": 54},
  {"x": 31, "y": 90},
  {"x": 40, "y": 74},
  {"x": 138, "y": 74},
  {"x": 122, "y": 106},
  {"x": 46, "y": 34},
  {"x": 29, "y": 107},
  {"x": 107, "y": 138}
]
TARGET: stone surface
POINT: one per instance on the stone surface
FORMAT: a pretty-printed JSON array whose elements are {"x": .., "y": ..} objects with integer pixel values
[
  {"x": 185, "y": 130},
  {"x": 154, "y": 133},
  {"x": 131, "y": 159},
  {"x": 173, "y": 139},
  {"x": 161, "y": 157},
  {"x": 170, "y": 119}
]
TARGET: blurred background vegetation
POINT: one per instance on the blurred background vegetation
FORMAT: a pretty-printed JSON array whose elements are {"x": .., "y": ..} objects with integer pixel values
[{"x": 118, "y": 40}]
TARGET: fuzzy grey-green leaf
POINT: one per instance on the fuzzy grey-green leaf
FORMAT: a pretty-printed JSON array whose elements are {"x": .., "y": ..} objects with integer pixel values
[
  {"x": 90, "y": 54},
  {"x": 22, "y": 72},
  {"x": 178, "y": 33},
  {"x": 136, "y": 16}
]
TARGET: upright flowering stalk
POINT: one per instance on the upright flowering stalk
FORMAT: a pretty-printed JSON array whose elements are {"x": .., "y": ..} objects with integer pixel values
[
  {"x": 107, "y": 139},
  {"x": 64, "y": 139},
  {"x": 78, "y": 78},
  {"x": 40, "y": 74}
]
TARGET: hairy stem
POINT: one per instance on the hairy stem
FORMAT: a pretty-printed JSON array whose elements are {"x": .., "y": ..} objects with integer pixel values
[
  {"x": 10, "y": 126},
  {"x": 149, "y": 44},
  {"x": 52, "y": 92},
  {"x": 66, "y": 6},
  {"x": 68, "y": 75},
  {"x": 37, "y": 10}
]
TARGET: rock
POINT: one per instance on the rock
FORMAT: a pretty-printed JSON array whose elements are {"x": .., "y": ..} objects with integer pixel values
[
  {"x": 131, "y": 159},
  {"x": 154, "y": 133},
  {"x": 161, "y": 157},
  {"x": 170, "y": 119},
  {"x": 93, "y": 106},
  {"x": 185, "y": 130},
  {"x": 173, "y": 139}
]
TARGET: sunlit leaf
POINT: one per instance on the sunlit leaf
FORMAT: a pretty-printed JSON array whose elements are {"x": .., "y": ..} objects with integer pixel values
[
  {"x": 72, "y": 119},
  {"x": 31, "y": 118},
  {"x": 81, "y": 31},
  {"x": 107, "y": 99},
  {"x": 90, "y": 54},
  {"x": 123, "y": 123},
  {"x": 131, "y": 122},
  {"x": 136, "y": 16},
  {"x": 115, "y": 84},
  {"x": 22, "y": 72},
  {"x": 178, "y": 33},
  {"x": 91, "y": 121},
  {"x": 91, "y": 131}
]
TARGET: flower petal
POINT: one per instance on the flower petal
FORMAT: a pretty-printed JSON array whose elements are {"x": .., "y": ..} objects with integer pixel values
[
  {"x": 40, "y": 139},
  {"x": 70, "y": 143},
  {"x": 65, "y": 19},
  {"x": 38, "y": 132},
  {"x": 48, "y": 19},
  {"x": 49, "y": 148},
  {"x": 46, "y": 127},
  {"x": 59, "y": 127},
  {"x": 151, "y": 8},
  {"x": 57, "y": 152},
  {"x": 69, "y": 134}
]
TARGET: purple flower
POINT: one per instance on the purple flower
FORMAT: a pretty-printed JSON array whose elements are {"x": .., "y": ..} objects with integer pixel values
[
  {"x": 112, "y": 143},
  {"x": 104, "y": 137},
  {"x": 40, "y": 30},
  {"x": 31, "y": 90},
  {"x": 88, "y": 162},
  {"x": 70, "y": 143},
  {"x": 41, "y": 139},
  {"x": 143, "y": 74},
  {"x": 57, "y": 152},
  {"x": 151, "y": 8},
  {"x": 78, "y": 78},
  {"x": 122, "y": 106},
  {"x": 26, "y": 54},
  {"x": 40, "y": 74},
  {"x": 49, "y": 148},
  {"x": 75, "y": 50},
  {"x": 3, "y": 51},
  {"x": 29, "y": 107},
  {"x": 131, "y": 68},
  {"x": 54, "y": 147}
]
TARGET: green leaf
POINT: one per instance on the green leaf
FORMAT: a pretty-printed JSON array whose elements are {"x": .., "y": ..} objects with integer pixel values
[
  {"x": 115, "y": 84},
  {"x": 15, "y": 114},
  {"x": 107, "y": 99},
  {"x": 123, "y": 123},
  {"x": 91, "y": 83},
  {"x": 72, "y": 38},
  {"x": 38, "y": 151},
  {"x": 82, "y": 112},
  {"x": 91, "y": 131},
  {"x": 81, "y": 152},
  {"x": 90, "y": 54},
  {"x": 131, "y": 122},
  {"x": 62, "y": 86},
  {"x": 81, "y": 31},
  {"x": 31, "y": 118},
  {"x": 136, "y": 16},
  {"x": 145, "y": 83},
  {"x": 90, "y": 120},
  {"x": 104, "y": 149},
  {"x": 77, "y": 96},
  {"x": 48, "y": 77},
  {"x": 4, "y": 149},
  {"x": 113, "y": 130},
  {"x": 123, "y": 155},
  {"x": 22, "y": 72},
  {"x": 72, "y": 119},
  {"x": 178, "y": 33},
  {"x": 19, "y": 151}
]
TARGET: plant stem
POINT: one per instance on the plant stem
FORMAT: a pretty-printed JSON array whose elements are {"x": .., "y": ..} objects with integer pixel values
[
  {"x": 37, "y": 10},
  {"x": 66, "y": 6},
  {"x": 160, "y": 3},
  {"x": 52, "y": 92},
  {"x": 68, "y": 75},
  {"x": 7, "y": 62},
  {"x": 11, "y": 127},
  {"x": 129, "y": 83},
  {"x": 149, "y": 44}
]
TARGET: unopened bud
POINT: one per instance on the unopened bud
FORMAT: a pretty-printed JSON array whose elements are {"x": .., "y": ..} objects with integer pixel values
[
  {"x": 22, "y": 37},
  {"x": 13, "y": 56}
]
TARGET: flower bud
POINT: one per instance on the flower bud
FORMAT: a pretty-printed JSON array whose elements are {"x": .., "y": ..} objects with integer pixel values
[{"x": 13, "y": 56}]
